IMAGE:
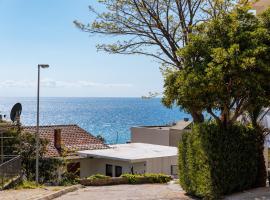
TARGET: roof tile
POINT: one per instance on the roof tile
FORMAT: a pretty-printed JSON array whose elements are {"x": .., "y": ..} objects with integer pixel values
[{"x": 73, "y": 138}]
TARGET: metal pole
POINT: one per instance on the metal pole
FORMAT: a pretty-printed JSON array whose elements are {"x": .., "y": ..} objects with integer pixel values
[
  {"x": 2, "y": 148},
  {"x": 37, "y": 134}
]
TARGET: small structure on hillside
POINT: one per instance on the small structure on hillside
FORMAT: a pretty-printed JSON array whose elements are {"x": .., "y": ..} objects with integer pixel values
[
  {"x": 168, "y": 135},
  {"x": 133, "y": 158},
  {"x": 66, "y": 140}
]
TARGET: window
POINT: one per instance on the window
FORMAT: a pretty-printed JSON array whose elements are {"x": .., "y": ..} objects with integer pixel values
[
  {"x": 118, "y": 171},
  {"x": 109, "y": 169}
]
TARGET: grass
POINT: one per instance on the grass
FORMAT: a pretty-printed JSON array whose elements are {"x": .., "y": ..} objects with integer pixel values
[{"x": 27, "y": 185}]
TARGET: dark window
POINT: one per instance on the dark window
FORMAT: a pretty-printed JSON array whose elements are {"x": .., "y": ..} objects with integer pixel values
[
  {"x": 118, "y": 171},
  {"x": 109, "y": 169}
]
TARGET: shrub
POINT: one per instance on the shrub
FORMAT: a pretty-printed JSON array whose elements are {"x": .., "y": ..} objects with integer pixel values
[
  {"x": 69, "y": 178},
  {"x": 158, "y": 178},
  {"x": 27, "y": 185},
  {"x": 132, "y": 178},
  {"x": 215, "y": 162},
  {"x": 146, "y": 178},
  {"x": 97, "y": 176}
]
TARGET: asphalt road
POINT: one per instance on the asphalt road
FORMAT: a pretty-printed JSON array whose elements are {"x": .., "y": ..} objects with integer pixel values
[{"x": 128, "y": 192}]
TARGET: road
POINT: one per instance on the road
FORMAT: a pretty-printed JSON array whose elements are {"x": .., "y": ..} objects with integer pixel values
[{"x": 128, "y": 192}]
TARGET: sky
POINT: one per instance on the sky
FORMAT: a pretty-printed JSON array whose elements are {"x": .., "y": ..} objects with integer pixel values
[{"x": 42, "y": 32}]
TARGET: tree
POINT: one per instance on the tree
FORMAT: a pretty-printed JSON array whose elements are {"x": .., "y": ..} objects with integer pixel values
[
  {"x": 156, "y": 28},
  {"x": 226, "y": 67}
]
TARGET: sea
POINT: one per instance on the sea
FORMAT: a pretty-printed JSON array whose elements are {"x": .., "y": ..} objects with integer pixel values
[{"x": 111, "y": 118}]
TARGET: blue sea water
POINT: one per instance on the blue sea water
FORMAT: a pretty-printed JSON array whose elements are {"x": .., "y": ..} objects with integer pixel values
[{"x": 109, "y": 117}]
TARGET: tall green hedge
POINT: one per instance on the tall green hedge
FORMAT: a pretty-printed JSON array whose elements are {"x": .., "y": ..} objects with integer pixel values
[{"x": 215, "y": 162}]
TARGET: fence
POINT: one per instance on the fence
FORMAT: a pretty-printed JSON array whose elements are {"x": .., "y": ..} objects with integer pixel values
[{"x": 10, "y": 170}]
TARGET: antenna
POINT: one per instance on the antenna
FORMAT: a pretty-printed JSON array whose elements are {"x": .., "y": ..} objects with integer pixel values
[
  {"x": 16, "y": 112},
  {"x": 117, "y": 136}
]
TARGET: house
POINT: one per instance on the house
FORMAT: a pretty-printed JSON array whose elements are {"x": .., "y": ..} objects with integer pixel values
[
  {"x": 261, "y": 6},
  {"x": 133, "y": 158},
  {"x": 66, "y": 140},
  {"x": 168, "y": 135}
]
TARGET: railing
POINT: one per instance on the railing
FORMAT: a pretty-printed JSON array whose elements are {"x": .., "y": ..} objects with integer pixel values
[{"x": 10, "y": 170}]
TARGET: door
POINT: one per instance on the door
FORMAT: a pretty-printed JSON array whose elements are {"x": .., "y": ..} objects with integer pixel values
[
  {"x": 109, "y": 169},
  {"x": 118, "y": 171}
]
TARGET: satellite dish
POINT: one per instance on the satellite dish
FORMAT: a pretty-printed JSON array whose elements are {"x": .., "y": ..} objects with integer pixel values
[{"x": 16, "y": 112}]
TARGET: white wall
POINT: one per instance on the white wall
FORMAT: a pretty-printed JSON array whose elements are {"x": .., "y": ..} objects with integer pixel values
[
  {"x": 155, "y": 165},
  {"x": 150, "y": 136},
  {"x": 161, "y": 165},
  {"x": 98, "y": 166}
]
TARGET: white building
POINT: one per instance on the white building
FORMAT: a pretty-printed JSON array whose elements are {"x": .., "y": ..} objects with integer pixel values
[
  {"x": 162, "y": 135},
  {"x": 261, "y": 6},
  {"x": 136, "y": 158}
]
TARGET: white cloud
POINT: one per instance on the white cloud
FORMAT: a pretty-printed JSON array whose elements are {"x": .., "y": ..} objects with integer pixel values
[{"x": 49, "y": 83}]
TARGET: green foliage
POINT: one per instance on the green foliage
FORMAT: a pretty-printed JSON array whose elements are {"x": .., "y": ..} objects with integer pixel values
[
  {"x": 158, "y": 178},
  {"x": 68, "y": 179},
  {"x": 27, "y": 185},
  {"x": 132, "y": 178},
  {"x": 24, "y": 144},
  {"x": 226, "y": 66},
  {"x": 27, "y": 151},
  {"x": 97, "y": 176},
  {"x": 150, "y": 178},
  {"x": 215, "y": 161}
]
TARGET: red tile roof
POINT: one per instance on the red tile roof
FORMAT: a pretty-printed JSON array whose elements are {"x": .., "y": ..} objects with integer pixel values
[{"x": 73, "y": 138}]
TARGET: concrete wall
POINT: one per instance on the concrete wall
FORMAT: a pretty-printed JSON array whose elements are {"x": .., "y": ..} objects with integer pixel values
[
  {"x": 261, "y": 6},
  {"x": 169, "y": 137},
  {"x": 150, "y": 136},
  {"x": 155, "y": 165},
  {"x": 176, "y": 137},
  {"x": 161, "y": 165},
  {"x": 98, "y": 166}
]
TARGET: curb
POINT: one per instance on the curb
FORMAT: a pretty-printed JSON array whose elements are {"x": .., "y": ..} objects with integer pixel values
[{"x": 60, "y": 193}]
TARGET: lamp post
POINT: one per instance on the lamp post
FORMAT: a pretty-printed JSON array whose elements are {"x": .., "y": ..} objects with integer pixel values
[{"x": 37, "y": 133}]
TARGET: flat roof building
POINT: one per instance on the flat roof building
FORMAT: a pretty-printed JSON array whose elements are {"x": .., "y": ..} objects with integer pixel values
[
  {"x": 168, "y": 135},
  {"x": 133, "y": 158}
]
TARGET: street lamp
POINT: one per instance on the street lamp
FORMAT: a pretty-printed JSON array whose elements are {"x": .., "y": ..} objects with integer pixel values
[{"x": 37, "y": 133}]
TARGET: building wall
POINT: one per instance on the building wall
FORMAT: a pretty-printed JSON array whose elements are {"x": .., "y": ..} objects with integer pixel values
[
  {"x": 261, "y": 6},
  {"x": 150, "y": 136},
  {"x": 161, "y": 165},
  {"x": 92, "y": 166},
  {"x": 155, "y": 165},
  {"x": 176, "y": 137}
]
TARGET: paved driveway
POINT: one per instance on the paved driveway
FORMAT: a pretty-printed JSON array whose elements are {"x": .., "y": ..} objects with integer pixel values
[
  {"x": 28, "y": 194},
  {"x": 128, "y": 192}
]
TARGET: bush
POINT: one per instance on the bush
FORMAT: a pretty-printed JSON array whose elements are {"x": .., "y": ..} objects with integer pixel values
[
  {"x": 100, "y": 180},
  {"x": 147, "y": 178},
  {"x": 97, "y": 176},
  {"x": 69, "y": 178},
  {"x": 27, "y": 185},
  {"x": 215, "y": 162},
  {"x": 132, "y": 178}
]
